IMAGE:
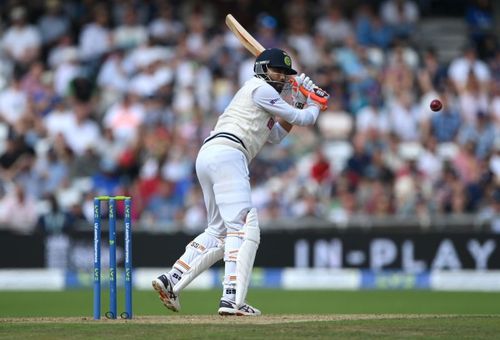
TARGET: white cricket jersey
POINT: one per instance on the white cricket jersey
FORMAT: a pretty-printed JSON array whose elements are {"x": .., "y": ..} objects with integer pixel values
[{"x": 247, "y": 121}]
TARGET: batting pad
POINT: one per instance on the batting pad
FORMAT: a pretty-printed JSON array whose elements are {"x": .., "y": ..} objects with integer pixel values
[
  {"x": 246, "y": 256},
  {"x": 204, "y": 258}
]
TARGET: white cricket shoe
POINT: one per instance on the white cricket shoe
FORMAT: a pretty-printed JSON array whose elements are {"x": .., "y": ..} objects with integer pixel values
[
  {"x": 164, "y": 287},
  {"x": 227, "y": 307}
]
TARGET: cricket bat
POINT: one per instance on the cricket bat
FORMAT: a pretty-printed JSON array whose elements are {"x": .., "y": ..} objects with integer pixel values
[
  {"x": 246, "y": 39},
  {"x": 254, "y": 47}
]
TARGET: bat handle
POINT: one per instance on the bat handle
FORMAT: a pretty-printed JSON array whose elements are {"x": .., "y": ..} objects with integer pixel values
[{"x": 318, "y": 95}]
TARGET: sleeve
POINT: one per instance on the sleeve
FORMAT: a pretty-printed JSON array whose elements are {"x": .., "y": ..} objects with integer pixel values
[
  {"x": 268, "y": 98},
  {"x": 277, "y": 134}
]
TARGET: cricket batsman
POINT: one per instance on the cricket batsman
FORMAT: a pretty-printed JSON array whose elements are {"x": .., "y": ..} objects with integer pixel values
[{"x": 257, "y": 114}]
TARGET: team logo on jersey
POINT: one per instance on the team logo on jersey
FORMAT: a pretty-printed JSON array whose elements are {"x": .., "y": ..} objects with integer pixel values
[
  {"x": 270, "y": 123},
  {"x": 273, "y": 101}
]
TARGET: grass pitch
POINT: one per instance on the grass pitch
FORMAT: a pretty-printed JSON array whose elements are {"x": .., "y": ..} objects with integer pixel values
[
  {"x": 287, "y": 314},
  {"x": 357, "y": 326}
]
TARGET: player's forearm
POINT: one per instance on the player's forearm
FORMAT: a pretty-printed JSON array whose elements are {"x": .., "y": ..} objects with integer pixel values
[
  {"x": 292, "y": 115},
  {"x": 302, "y": 117},
  {"x": 267, "y": 98},
  {"x": 279, "y": 131}
]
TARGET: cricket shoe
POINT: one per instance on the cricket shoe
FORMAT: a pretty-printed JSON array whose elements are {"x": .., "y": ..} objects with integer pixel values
[
  {"x": 164, "y": 287},
  {"x": 227, "y": 307}
]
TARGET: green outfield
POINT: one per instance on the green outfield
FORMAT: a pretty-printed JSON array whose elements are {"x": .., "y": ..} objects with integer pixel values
[
  {"x": 287, "y": 314},
  {"x": 79, "y": 302}
]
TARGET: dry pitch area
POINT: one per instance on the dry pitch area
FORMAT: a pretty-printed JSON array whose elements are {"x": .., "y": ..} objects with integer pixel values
[
  {"x": 286, "y": 327},
  {"x": 261, "y": 320}
]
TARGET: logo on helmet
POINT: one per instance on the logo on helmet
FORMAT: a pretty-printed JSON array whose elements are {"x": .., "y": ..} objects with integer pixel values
[{"x": 288, "y": 61}]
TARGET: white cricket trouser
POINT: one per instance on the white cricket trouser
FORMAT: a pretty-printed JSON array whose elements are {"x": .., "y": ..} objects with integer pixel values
[{"x": 225, "y": 182}]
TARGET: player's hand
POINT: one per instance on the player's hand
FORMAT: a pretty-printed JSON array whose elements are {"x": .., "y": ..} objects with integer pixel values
[
  {"x": 301, "y": 81},
  {"x": 318, "y": 97},
  {"x": 306, "y": 92},
  {"x": 307, "y": 82},
  {"x": 298, "y": 80}
]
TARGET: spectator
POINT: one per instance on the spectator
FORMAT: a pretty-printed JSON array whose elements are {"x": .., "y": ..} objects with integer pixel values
[
  {"x": 306, "y": 205},
  {"x": 373, "y": 119},
  {"x": 491, "y": 213},
  {"x": 342, "y": 203},
  {"x": 53, "y": 23},
  {"x": 266, "y": 31},
  {"x": 370, "y": 29},
  {"x": 379, "y": 199},
  {"x": 50, "y": 172},
  {"x": 495, "y": 105},
  {"x": 55, "y": 220},
  {"x": 195, "y": 215},
  {"x": 112, "y": 79},
  {"x": 129, "y": 33},
  {"x": 46, "y": 99},
  {"x": 401, "y": 15},
  {"x": 66, "y": 71},
  {"x": 398, "y": 75},
  {"x": 433, "y": 69},
  {"x": 302, "y": 41},
  {"x": 125, "y": 118},
  {"x": 336, "y": 123},
  {"x": 482, "y": 134},
  {"x": 95, "y": 37},
  {"x": 16, "y": 149},
  {"x": 84, "y": 166},
  {"x": 404, "y": 118},
  {"x": 31, "y": 82},
  {"x": 429, "y": 163},
  {"x": 196, "y": 37},
  {"x": 82, "y": 132},
  {"x": 392, "y": 157},
  {"x": 165, "y": 29},
  {"x": 148, "y": 80},
  {"x": 411, "y": 190},
  {"x": 106, "y": 180},
  {"x": 481, "y": 22},
  {"x": 494, "y": 64},
  {"x": 14, "y": 103},
  {"x": 300, "y": 7},
  {"x": 320, "y": 171},
  {"x": 472, "y": 99},
  {"x": 462, "y": 66},
  {"x": 15, "y": 200},
  {"x": 359, "y": 161},
  {"x": 466, "y": 164},
  {"x": 58, "y": 120},
  {"x": 163, "y": 206},
  {"x": 334, "y": 26},
  {"x": 21, "y": 41}
]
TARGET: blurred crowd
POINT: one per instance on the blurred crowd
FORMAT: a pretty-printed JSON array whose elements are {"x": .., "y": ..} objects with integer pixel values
[{"x": 116, "y": 97}]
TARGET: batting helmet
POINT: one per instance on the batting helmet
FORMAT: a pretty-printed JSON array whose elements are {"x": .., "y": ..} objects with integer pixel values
[{"x": 273, "y": 57}]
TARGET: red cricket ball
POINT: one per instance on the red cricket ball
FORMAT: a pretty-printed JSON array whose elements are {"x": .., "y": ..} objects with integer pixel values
[{"x": 436, "y": 105}]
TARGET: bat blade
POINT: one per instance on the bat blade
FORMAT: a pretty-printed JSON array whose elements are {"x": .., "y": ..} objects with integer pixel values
[{"x": 246, "y": 39}]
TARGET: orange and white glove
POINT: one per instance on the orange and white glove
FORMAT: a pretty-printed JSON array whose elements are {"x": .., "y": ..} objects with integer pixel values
[
  {"x": 317, "y": 97},
  {"x": 299, "y": 99},
  {"x": 306, "y": 92}
]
